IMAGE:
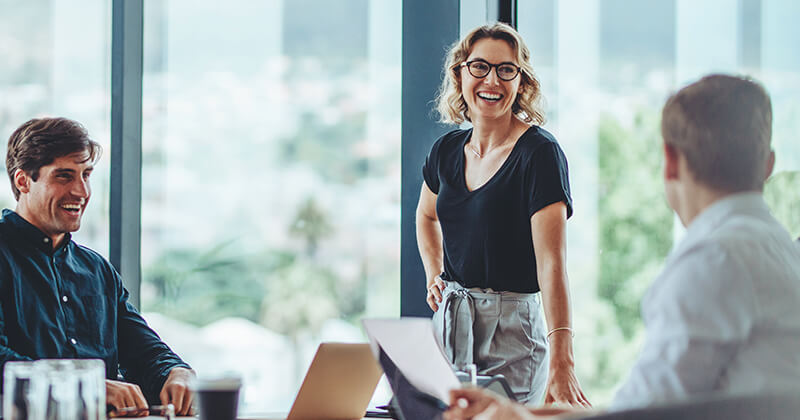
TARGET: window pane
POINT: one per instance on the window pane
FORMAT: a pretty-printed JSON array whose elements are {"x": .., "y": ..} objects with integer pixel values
[
  {"x": 271, "y": 181},
  {"x": 56, "y": 62},
  {"x": 606, "y": 67}
]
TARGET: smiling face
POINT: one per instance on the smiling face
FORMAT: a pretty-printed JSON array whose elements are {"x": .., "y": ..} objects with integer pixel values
[
  {"x": 56, "y": 200},
  {"x": 490, "y": 97}
]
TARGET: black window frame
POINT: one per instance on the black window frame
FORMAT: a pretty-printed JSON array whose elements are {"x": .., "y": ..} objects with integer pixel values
[{"x": 428, "y": 29}]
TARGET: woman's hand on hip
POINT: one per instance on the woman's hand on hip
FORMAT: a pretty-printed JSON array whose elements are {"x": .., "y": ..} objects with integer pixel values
[{"x": 435, "y": 291}]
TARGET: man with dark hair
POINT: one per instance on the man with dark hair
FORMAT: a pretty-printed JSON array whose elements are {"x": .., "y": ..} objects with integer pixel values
[
  {"x": 724, "y": 315},
  {"x": 62, "y": 300}
]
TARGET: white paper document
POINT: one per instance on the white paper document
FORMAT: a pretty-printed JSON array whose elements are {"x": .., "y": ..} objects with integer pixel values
[{"x": 410, "y": 343}]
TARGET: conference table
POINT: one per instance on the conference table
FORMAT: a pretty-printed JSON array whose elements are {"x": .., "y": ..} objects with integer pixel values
[
  {"x": 266, "y": 416},
  {"x": 258, "y": 416}
]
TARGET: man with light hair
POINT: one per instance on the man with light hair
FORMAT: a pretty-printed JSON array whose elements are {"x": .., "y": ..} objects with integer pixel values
[{"x": 724, "y": 315}]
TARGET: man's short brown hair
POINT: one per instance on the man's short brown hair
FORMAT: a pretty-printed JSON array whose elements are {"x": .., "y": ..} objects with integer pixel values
[
  {"x": 723, "y": 126},
  {"x": 40, "y": 141}
]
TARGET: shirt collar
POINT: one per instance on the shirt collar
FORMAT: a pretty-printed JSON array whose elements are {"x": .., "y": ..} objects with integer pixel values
[
  {"x": 719, "y": 211},
  {"x": 31, "y": 233}
]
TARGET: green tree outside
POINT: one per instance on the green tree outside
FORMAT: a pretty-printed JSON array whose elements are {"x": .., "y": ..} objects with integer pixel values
[
  {"x": 636, "y": 226},
  {"x": 782, "y": 194}
]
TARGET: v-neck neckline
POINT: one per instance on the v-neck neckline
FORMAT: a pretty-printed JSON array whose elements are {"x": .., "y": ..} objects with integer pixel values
[{"x": 505, "y": 163}]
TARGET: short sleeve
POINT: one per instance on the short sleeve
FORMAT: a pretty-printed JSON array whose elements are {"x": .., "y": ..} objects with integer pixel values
[
  {"x": 430, "y": 170},
  {"x": 549, "y": 179}
]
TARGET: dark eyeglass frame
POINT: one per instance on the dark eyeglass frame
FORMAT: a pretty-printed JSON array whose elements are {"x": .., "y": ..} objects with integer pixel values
[{"x": 468, "y": 65}]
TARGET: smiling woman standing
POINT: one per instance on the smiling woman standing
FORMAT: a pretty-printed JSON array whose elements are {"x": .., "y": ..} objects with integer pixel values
[{"x": 491, "y": 223}]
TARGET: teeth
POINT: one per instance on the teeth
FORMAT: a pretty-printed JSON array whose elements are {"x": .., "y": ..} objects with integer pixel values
[
  {"x": 71, "y": 206},
  {"x": 490, "y": 96}
]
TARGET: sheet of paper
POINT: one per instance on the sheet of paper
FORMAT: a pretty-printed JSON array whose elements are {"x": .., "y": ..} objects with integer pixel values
[{"x": 410, "y": 343}]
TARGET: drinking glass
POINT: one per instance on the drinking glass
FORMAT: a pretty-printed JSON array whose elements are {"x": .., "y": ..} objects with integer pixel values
[
  {"x": 20, "y": 383},
  {"x": 91, "y": 377},
  {"x": 72, "y": 389},
  {"x": 61, "y": 389}
]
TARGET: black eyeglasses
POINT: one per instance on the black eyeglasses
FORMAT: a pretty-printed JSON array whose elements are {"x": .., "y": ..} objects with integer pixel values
[{"x": 480, "y": 68}]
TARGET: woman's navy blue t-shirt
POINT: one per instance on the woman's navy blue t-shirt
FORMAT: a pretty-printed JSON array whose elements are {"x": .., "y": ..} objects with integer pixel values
[{"x": 487, "y": 232}]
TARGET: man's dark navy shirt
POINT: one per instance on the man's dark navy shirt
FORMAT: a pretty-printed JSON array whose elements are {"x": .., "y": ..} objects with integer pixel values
[{"x": 70, "y": 303}]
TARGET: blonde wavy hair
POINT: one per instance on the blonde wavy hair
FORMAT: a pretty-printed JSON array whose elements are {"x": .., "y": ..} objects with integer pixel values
[{"x": 450, "y": 101}]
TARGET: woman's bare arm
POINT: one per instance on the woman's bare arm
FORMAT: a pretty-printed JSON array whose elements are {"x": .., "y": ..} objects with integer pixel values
[
  {"x": 429, "y": 242},
  {"x": 548, "y": 229}
]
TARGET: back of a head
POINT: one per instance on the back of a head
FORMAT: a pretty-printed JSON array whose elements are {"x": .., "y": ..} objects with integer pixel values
[{"x": 723, "y": 126}]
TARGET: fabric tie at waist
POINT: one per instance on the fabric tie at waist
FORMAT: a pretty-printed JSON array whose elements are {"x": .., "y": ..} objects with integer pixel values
[
  {"x": 501, "y": 332},
  {"x": 459, "y": 312}
]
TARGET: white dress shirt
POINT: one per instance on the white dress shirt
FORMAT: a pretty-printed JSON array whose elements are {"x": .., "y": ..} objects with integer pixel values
[{"x": 724, "y": 314}]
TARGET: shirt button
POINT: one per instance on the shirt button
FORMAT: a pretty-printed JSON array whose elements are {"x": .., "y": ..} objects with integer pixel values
[
  {"x": 73, "y": 341},
  {"x": 46, "y": 240},
  {"x": 64, "y": 298}
]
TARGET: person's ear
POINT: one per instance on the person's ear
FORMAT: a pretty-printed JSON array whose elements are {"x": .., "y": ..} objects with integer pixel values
[
  {"x": 770, "y": 164},
  {"x": 22, "y": 181},
  {"x": 671, "y": 162}
]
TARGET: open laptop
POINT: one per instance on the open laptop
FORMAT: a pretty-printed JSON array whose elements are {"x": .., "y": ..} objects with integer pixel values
[{"x": 338, "y": 385}]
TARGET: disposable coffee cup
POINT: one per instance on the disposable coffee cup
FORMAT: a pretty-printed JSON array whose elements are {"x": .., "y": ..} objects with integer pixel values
[{"x": 218, "y": 398}]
